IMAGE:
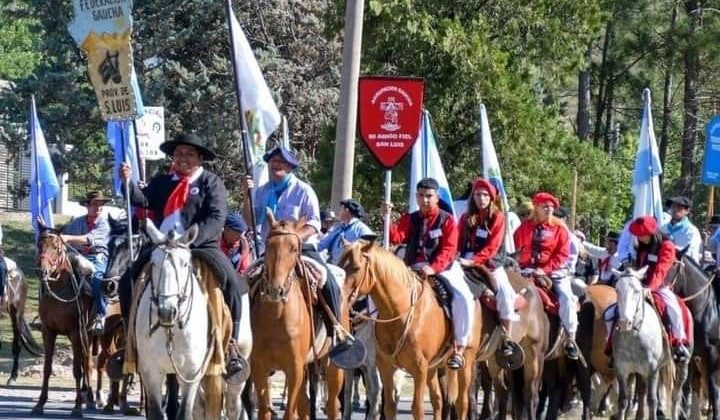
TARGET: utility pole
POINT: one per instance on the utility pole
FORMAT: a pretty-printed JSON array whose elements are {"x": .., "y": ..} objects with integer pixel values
[{"x": 347, "y": 114}]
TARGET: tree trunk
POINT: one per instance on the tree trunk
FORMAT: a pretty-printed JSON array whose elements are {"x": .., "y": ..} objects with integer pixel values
[
  {"x": 667, "y": 85},
  {"x": 600, "y": 108},
  {"x": 690, "y": 101},
  {"x": 583, "y": 113},
  {"x": 610, "y": 98}
]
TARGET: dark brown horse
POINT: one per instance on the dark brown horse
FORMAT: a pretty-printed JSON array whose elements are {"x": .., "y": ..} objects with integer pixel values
[{"x": 64, "y": 309}]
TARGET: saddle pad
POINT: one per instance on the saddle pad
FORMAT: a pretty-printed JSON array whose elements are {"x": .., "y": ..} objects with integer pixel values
[
  {"x": 490, "y": 302},
  {"x": 549, "y": 300},
  {"x": 338, "y": 273},
  {"x": 443, "y": 293},
  {"x": 315, "y": 270}
]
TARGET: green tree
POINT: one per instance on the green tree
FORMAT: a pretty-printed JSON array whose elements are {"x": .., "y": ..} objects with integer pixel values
[{"x": 19, "y": 40}]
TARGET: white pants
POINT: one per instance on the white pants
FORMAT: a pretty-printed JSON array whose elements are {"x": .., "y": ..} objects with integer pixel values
[
  {"x": 674, "y": 312},
  {"x": 563, "y": 289},
  {"x": 505, "y": 296},
  {"x": 463, "y": 304}
]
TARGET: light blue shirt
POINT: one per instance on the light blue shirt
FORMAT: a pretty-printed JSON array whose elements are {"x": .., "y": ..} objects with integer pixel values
[
  {"x": 351, "y": 231},
  {"x": 99, "y": 235},
  {"x": 714, "y": 241},
  {"x": 296, "y": 201},
  {"x": 685, "y": 234}
]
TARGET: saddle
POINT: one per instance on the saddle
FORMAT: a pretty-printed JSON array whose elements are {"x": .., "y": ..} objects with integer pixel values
[
  {"x": 443, "y": 293},
  {"x": 483, "y": 285},
  {"x": 543, "y": 286}
]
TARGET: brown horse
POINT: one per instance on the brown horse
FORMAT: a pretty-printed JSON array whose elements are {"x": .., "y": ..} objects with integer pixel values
[
  {"x": 282, "y": 324},
  {"x": 64, "y": 309},
  {"x": 411, "y": 330},
  {"x": 530, "y": 332}
]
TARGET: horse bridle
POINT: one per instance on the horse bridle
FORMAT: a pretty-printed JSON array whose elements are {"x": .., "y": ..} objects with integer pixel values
[
  {"x": 55, "y": 263},
  {"x": 639, "y": 309},
  {"x": 280, "y": 294},
  {"x": 182, "y": 295}
]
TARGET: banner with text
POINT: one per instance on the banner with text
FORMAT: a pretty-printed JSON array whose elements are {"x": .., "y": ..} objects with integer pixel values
[
  {"x": 711, "y": 163},
  {"x": 151, "y": 132},
  {"x": 390, "y": 111}
]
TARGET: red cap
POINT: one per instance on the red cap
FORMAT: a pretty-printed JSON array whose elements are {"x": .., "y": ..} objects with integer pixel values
[
  {"x": 643, "y": 226},
  {"x": 543, "y": 197},
  {"x": 484, "y": 184}
]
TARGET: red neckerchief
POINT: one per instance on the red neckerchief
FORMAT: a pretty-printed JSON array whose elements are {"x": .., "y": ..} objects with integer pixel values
[{"x": 179, "y": 195}]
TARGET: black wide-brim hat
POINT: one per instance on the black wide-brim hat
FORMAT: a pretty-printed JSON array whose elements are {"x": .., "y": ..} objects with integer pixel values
[
  {"x": 188, "y": 139},
  {"x": 286, "y": 154},
  {"x": 679, "y": 200},
  {"x": 94, "y": 196}
]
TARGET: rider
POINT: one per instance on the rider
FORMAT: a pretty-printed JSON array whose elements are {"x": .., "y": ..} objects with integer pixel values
[
  {"x": 680, "y": 229},
  {"x": 656, "y": 251},
  {"x": 542, "y": 242},
  {"x": 233, "y": 242},
  {"x": 291, "y": 199},
  {"x": 89, "y": 235},
  {"x": 431, "y": 236},
  {"x": 607, "y": 257},
  {"x": 350, "y": 227},
  {"x": 482, "y": 232},
  {"x": 189, "y": 195}
]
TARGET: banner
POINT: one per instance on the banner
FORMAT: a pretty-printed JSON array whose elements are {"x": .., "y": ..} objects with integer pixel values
[
  {"x": 151, "y": 132},
  {"x": 647, "y": 171},
  {"x": 103, "y": 29},
  {"x": 389, "y": 111},
  {"x": 711, "y": 162}
]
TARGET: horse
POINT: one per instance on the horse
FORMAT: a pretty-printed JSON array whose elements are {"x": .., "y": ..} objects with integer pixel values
[
  {"x": 405, "y": 308},
  {"x": 63, "y": 309},
  {"x": 16, "y": 289},
  {"x": 690, "y": 283},
  {"x": 283, "y": 325},
  {"x": 177, "y": 337},
  {"x": 639, "y": 347}
]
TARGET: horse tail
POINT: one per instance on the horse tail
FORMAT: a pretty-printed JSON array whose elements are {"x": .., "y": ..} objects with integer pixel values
[
  {"x": 26, "y": 338},
  {"x": 452, "y": 386}
]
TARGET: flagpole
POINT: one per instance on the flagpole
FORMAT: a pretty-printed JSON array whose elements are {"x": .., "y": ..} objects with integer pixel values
[
  {"x": 243, "y": 130},
  {"x": 386, "y": 225},
  {"x": 34, "y": 152},
  {"x": 573, "y": 203},
  {"x": 128, "y": 206}
]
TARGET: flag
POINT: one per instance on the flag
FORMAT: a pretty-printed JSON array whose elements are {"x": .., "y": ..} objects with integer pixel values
[
  {"x": 491, "y": 171},
  {"x": 43, "y": 182},
  {"x": 256, "y": 103},
  {"x": 121, "y": 137},
  {"x": 426, "y": 163},
  {"x": 646, "y": 175}
]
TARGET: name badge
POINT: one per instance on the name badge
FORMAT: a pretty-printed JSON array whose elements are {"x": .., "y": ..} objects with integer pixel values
[
  {"x": 194, "y": 191},
  {"x": 482, "y": 233},
  {"x": 652, "y": 258},
  {"x": 436, "y": 233}
]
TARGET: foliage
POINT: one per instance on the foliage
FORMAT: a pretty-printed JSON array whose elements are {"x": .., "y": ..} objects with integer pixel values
[{"x": 19, "y": 39}]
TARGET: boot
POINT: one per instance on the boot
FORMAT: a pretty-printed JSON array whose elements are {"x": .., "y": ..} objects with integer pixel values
[
  {"x": 571, "y": 350},
  {"x": 681, "y": 353},
  {"x": 234, "y": 362},
  {"x": 507, "y": 345},
  {"x": 457, "y": 360}
]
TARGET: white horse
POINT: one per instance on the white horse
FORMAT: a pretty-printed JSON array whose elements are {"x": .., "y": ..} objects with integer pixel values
[
  {"x": 639, "y": 346},
  {"x": 171, "y": 326}
]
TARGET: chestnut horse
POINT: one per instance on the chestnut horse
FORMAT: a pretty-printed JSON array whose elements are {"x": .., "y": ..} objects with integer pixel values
[
  {"x": 64, "y": 309},
  {"x": 282, "y": 324},
  {"x": 411, "y": 331}
]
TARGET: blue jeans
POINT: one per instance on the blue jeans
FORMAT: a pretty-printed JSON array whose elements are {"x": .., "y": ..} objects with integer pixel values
[{"x": 100, "y": 263}]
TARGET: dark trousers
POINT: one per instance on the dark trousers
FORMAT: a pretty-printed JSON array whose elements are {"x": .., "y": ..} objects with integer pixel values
[
  {"x": 331, "y": 291},
  {"x": 232, "y": 289}
]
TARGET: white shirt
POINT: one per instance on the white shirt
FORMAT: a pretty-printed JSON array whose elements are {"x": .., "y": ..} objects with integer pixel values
[{"x": 601, "y": 254}]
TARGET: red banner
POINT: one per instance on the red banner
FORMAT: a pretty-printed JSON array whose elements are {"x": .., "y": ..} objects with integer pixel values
[{"x": 390, "y": 112}]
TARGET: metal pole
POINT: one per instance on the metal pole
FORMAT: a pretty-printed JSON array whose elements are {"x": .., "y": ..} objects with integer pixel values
[
  {"x": 386, "y": 225},
  {"x": 243, "y": 130},
  {"x": 343, "y": 165},
  {"x": 128, "y": 206},
  {"x": 573, "y": 203}
]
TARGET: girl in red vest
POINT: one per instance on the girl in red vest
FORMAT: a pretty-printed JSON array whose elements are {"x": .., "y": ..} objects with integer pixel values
[
  {"x": 543, "y": 247},
  {"x": 481, "y": 232},
  {"x": 657, "y": 251}
]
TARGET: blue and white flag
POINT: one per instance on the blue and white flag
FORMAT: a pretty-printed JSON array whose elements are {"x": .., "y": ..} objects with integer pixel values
[
  {"x": 491, "y": 171},
  {"x": 426, "y": 163},
  {"x": 121, "y": 137},
  {"x": 44, "y": 185},
  {"x": 646, "y": 175}
]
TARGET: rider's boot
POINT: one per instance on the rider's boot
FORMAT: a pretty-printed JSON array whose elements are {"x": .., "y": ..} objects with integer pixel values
[
  {"x": 457, "y": 360},
  {"x": 97, "y": 327},
  {"x": 571, "y": 348},
  {"x": 234, "y": 362},
  {"x": 681, "y": 353},
  {"x": 507, "y": 345}
]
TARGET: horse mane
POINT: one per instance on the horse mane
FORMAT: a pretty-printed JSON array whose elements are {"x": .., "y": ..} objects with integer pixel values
[{"x": 385, "y": 264}]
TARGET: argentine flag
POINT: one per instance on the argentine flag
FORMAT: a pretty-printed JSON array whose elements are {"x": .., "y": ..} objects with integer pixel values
[
  {"x": 646, "y": 174},
  {"x": 426, "y": 163},
  {"x": 121, "y": 138},
  {"x": 491, "y": 171},
  {"x": 44, "y": 185}
]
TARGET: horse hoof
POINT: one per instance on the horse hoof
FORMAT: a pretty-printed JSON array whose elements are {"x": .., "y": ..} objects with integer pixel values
[
  {"x": 38, "y": 410},
  {"x": 108, "y": 409},
  {"x": 10, "y": 382},
  {"x": 91, "y": 406},
  {"x": 77, "y": 413},
  {"x": 132, "y": 411}
]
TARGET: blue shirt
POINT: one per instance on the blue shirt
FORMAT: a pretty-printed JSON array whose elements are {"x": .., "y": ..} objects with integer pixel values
[
  {"x": 351, "y": 231},
  {"x": 296, "y": 201},
  {"x": 99, "y": 235}
]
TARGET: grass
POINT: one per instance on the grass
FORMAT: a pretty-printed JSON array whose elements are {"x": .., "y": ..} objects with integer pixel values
[{"x": 19, "y": 245}]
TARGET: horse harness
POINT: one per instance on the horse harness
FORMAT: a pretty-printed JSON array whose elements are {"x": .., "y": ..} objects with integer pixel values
[
  {"x": 280, "y": 294},
  {"x": 57, "y": 263}
]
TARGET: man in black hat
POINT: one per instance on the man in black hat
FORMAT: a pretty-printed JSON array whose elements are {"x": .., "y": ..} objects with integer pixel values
[
  {"x": 89, "y": 235},
  {"x": 290, "y": 198},
  {"x": 680, "y": 229},
  {"x": 351, "y": 228},
  {"x": 190, "y": 195}
]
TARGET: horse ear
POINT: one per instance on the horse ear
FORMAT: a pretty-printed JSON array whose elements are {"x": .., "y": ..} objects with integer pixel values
[
  {"x": 155, "y": 235},
  {"x": 190, "y": 235},
  {"x": 301, "y": 222},
  {"x": 345, "y": 243},
  {"x": 369, "y": 244},
  {"x": 270, "y": 217},
  {"x": 641, "y": 272},
  {"x": 616, "y": 272}
]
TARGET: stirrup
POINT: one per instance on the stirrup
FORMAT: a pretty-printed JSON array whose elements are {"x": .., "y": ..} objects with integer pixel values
[{"x": 456, "y": 361}]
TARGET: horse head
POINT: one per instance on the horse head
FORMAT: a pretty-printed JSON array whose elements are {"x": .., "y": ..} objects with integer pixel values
[
  {"x": 630, "y": 297},
  {"x": 119, "y": 258},
  {"x": 282, "y": 255},
  {"x": 51, "y": 253},
  {"x": 172, "y": 277}
]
